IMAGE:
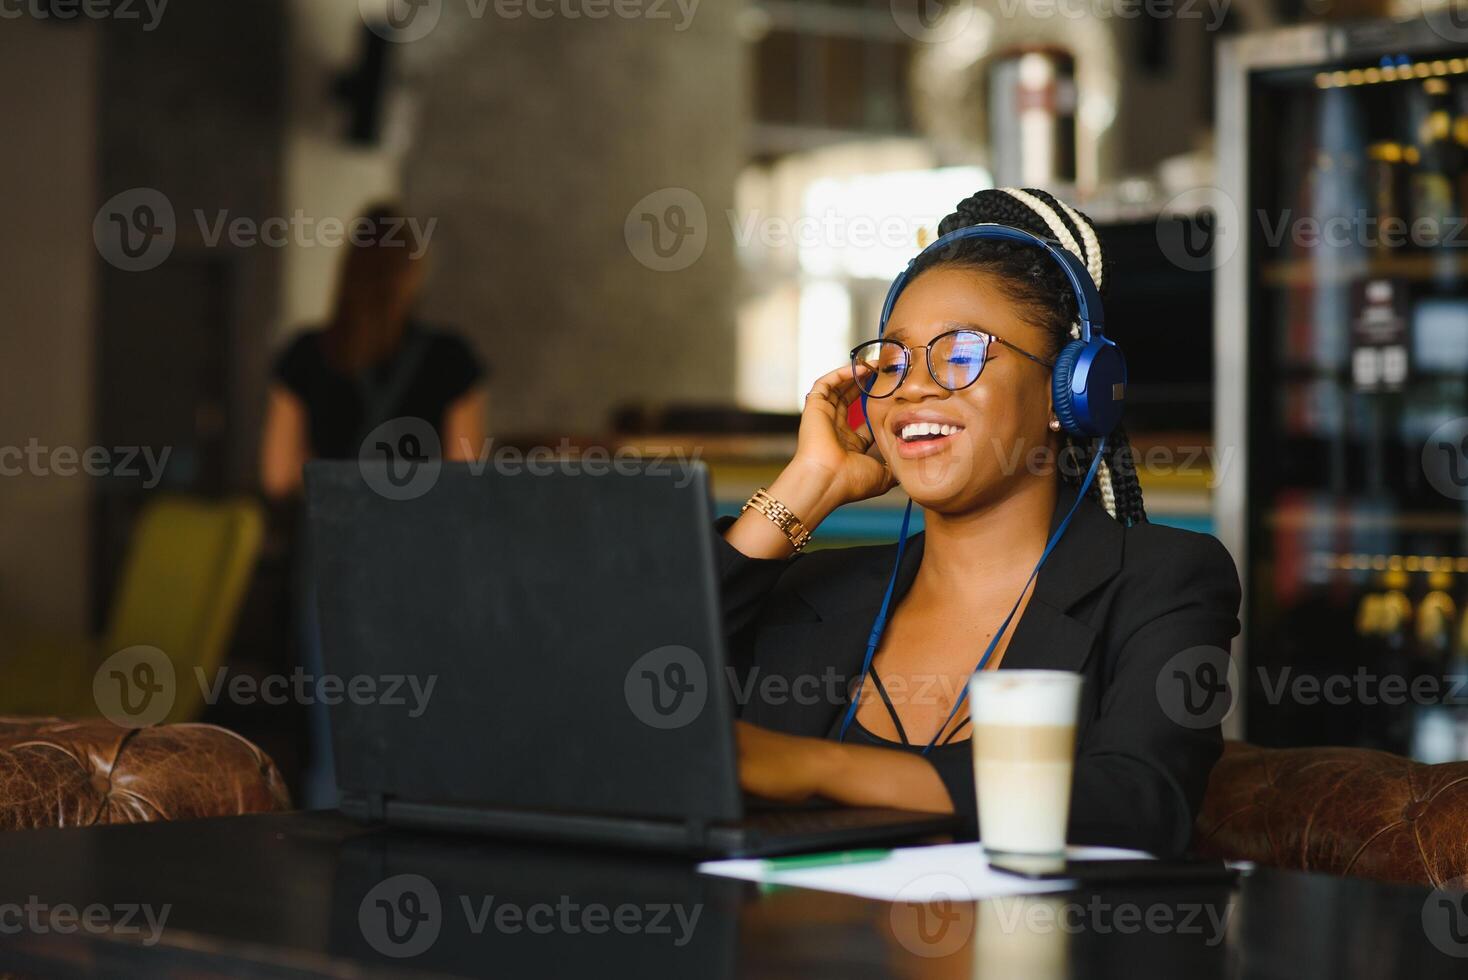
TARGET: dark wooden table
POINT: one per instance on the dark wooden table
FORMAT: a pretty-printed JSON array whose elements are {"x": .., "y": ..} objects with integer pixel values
[{"x": 310, "y": 894}]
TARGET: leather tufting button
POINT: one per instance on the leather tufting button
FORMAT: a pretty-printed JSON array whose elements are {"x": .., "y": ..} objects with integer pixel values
[{"x": 1414, "y": 810}]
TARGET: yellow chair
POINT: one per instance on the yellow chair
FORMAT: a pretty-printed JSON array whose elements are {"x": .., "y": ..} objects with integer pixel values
[{"x": 184, "y": 579}]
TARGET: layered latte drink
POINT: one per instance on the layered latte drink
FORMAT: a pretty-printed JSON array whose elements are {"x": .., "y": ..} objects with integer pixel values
[{"x": 1024, "y": 751}]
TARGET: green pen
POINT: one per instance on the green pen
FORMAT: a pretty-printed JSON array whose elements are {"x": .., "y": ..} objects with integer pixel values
[{"x": 798, "y": 862}]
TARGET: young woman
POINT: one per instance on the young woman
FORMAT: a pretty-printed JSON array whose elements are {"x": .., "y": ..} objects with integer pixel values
[
  {"x": 973, "y": 441},
  {"x": 371, "y": 363}
]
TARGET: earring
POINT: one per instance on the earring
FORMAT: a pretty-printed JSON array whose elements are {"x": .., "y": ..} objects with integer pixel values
[{"x": 1055, "y": 425}]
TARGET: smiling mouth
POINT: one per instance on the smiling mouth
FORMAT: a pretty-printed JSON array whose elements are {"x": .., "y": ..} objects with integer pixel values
[{"x": 927, "y": 431}]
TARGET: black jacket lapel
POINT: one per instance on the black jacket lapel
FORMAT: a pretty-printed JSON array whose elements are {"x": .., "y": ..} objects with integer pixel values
[
  {"x": 1087, "y": 556},
  {"x": 845, "y": 603}
]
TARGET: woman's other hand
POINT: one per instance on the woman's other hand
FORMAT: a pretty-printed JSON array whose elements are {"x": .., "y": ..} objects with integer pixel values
[{"x": 781, "y": 767}]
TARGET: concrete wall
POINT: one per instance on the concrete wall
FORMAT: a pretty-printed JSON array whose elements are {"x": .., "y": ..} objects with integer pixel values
[
  {"x": 535, "y": 139},
  {"x": 196, "y": 110},
  {"x": 48, "y": 89}
]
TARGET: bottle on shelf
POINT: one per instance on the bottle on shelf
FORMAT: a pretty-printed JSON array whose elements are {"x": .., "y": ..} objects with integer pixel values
[
  {"x": 1397, "y": 659},
  {"x": 1385, "y": 172},
  {"x": 1434, "y": 198},
  {"x": 1436, "y": 615},
  {"x": 1460, "y": 139},
  {"x": 1458, "y": 663}
]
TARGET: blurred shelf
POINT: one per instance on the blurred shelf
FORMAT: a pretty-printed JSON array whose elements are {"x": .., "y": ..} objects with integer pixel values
[
  {"x": 1307, "y": 518},
  {"x": 1430, "y": 564},
  {"x": 1416, "y": 266}
]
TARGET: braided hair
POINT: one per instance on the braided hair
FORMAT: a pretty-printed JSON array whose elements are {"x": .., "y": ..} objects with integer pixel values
[{"x": 1035, "y": 282}]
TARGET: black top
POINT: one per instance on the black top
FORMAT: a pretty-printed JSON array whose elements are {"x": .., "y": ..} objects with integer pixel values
[
  {"x": 429, "y": 372},
  {"x": 950, "y": 748},
  {"x": 1125, "y": 607}
]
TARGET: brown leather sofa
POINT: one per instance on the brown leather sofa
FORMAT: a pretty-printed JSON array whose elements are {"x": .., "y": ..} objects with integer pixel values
[
  {"x": 56, "y": 773},
  {"x": 1340, "y": 811}
]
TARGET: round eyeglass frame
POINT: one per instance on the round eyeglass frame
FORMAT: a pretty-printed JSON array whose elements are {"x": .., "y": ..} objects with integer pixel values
[{"x": 927, "y": 350}]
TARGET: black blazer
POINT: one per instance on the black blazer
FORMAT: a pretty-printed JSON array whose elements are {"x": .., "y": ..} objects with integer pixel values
[{"x": 1113, "y": 603}]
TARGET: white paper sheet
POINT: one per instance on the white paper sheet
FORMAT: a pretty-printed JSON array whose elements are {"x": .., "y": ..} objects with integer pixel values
[{"x": 916, "y": 874}]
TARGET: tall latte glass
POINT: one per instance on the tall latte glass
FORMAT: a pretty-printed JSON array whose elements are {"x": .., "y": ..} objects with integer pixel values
[{"x": 1024, "y": 747}]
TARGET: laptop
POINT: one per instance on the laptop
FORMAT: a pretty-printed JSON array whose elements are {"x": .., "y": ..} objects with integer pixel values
[{"x": 540, "y": 655}]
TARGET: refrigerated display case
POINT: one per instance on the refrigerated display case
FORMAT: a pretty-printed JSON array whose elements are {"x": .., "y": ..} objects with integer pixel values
[{"x": 1341, "y": 359}]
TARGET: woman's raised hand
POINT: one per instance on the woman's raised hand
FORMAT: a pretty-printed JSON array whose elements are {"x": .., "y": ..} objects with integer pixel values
[
  {"x": 828, "y": 446},
  {"x": 833, "y": 465}
]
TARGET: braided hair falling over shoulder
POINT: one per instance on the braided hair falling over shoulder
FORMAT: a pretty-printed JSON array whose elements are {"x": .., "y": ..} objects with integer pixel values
[{"x": 1035, "y": 281}]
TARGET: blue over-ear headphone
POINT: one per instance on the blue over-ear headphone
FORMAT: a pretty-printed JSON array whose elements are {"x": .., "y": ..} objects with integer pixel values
[
  {"x": 1088, "y": 382},
  {"x": 1088, "y": 389}
]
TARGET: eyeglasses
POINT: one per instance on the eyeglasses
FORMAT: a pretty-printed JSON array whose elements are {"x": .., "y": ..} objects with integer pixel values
[{"x": 955, "y": 360}]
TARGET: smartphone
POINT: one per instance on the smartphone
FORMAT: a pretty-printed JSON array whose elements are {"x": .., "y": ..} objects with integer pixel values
[{"x": 1113, "y": 872}]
